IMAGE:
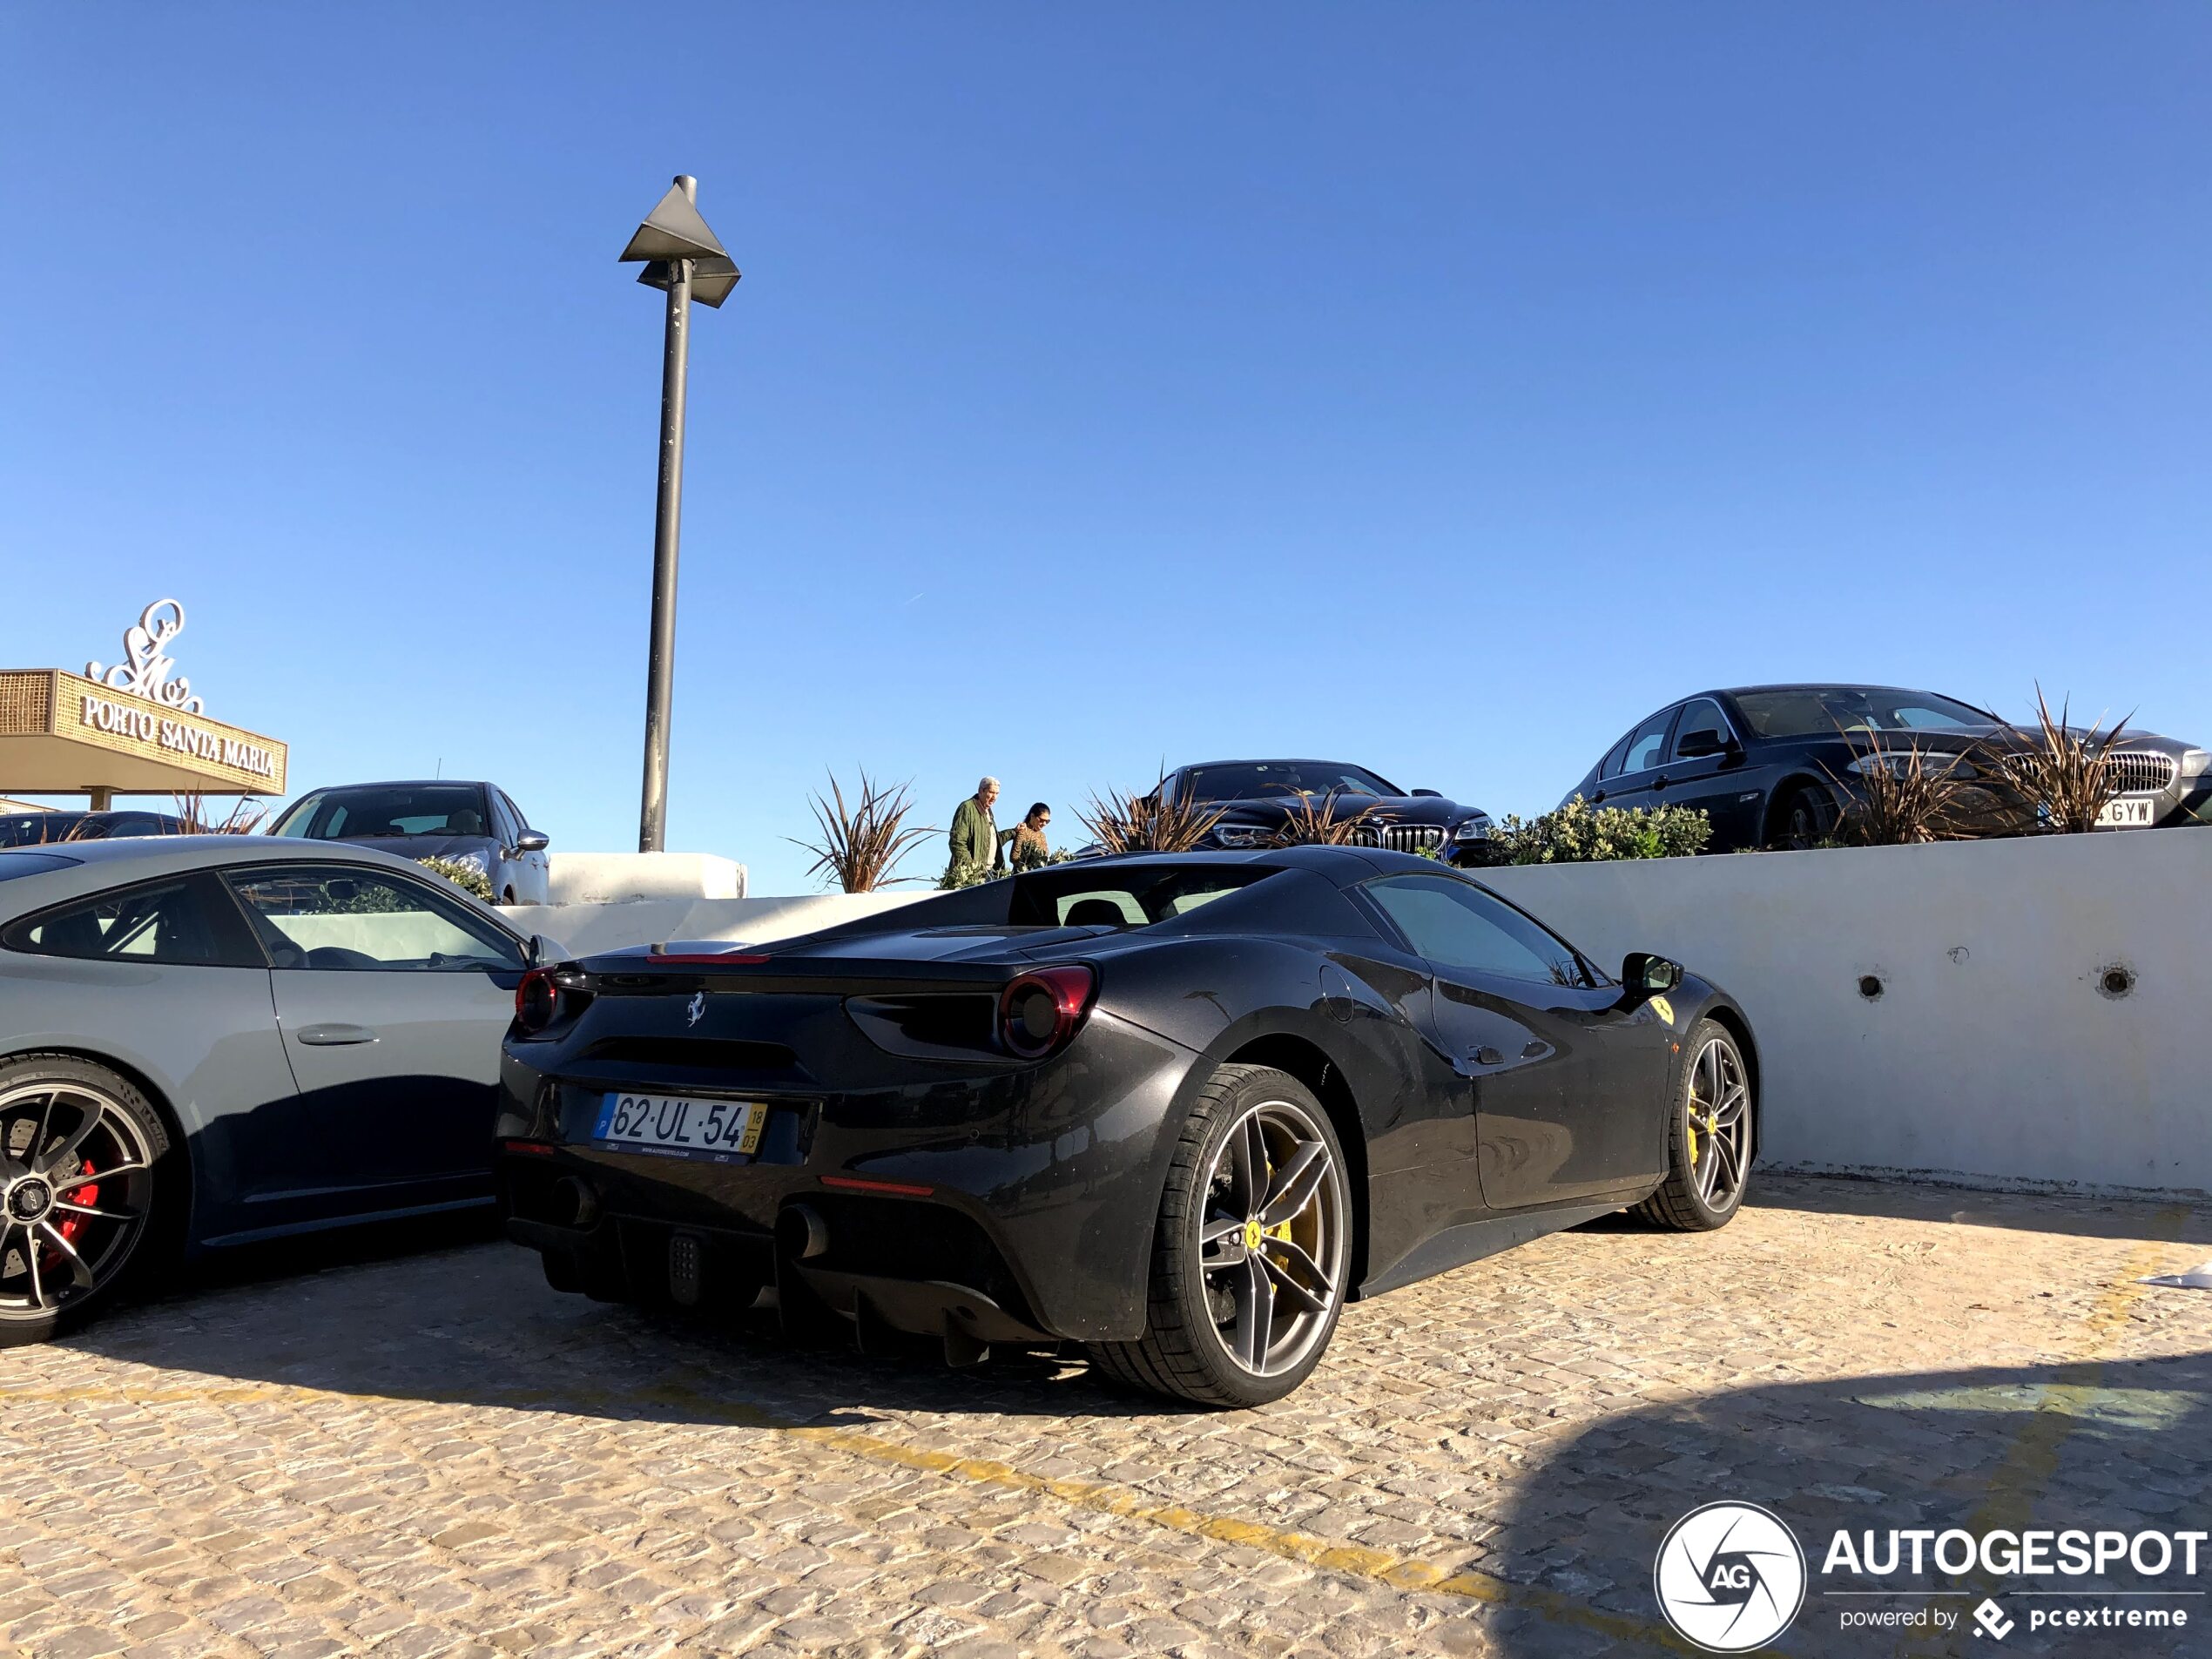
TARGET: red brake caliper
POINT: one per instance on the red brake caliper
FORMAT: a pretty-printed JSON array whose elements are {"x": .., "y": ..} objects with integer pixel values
[{"x": 75, "y": 1224}]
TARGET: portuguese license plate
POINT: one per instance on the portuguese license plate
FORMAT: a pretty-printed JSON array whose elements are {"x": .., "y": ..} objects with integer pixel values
[
  {"x": 2125, "y": 814},
  {"x": 675, "y": 1126}
]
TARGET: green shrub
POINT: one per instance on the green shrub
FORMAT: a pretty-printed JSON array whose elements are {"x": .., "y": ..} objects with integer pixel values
[
  {"x": 1579, "y": 833},
  {"x": 475, "y": 885},
  {"x": 967, "y": 874}
]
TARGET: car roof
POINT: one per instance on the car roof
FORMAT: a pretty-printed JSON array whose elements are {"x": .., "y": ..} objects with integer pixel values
[
  {"x": 192, "y": 852},
  {"x": 95, "y": 867},
  {"x": 1270, "y": 760},
  {"x": 1824, "y": 685},
  {"x": 404, "y": 783}
]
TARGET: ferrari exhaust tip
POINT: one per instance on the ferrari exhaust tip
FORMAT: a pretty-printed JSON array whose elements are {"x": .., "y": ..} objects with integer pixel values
[
  {"x": 802, "y": 1232},
  {"x": 575, "y": 1205}
]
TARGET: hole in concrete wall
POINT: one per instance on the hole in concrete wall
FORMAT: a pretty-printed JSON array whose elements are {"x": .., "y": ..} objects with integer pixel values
[
  {"x": 2116, "y": 980},
  {"x": 1870, "y": 986}
]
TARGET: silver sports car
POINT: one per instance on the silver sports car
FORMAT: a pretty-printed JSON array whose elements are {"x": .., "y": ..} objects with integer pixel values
[{"x": 209, "y": 1040}]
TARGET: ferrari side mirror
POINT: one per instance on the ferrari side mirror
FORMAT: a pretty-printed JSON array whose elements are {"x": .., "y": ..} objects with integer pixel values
[{"x": 1644, "y": 975}]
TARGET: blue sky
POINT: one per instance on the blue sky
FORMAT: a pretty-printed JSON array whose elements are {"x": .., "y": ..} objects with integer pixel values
[{"x": 1440, "y": 388}]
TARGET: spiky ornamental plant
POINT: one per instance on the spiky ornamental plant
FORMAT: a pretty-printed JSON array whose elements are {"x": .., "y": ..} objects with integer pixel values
[
  {"x": 1315, "y": 821},
  {"x": 2063, "y": 780},
  {"x": 862, "y": 843},
  {"x": 1147, "y": 823},
  {"x": 243, "y": 817},
  {"x": 1899, "y": 798}
]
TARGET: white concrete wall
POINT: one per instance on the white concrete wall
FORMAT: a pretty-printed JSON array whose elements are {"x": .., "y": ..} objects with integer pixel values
[
  {"x": 621, "y": 877},
  {"x": 585, "y": 928},
  {"x": 1994, "y": 1053},
  {"x": 1993, "y": 1056}
]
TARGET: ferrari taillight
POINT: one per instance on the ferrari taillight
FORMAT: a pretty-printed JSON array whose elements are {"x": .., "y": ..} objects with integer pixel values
[
  {"x": 538, "y": 1000},
  {"x": 1039, "y": 1011}
]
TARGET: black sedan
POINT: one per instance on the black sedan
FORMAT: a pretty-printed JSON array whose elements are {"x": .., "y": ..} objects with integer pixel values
[
  {"x": 1772, "y": 765},
  {"x": 1177, "y": 1107},
  {"x": 42, "y": 829},
  {"x": 1256, "y": 798}
]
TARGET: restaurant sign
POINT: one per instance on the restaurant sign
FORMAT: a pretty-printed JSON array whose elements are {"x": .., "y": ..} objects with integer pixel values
[
  {"x": 132, "y": 728},
  {"x": 201, "y": 742},
  {"x": 145, "y": 671}
]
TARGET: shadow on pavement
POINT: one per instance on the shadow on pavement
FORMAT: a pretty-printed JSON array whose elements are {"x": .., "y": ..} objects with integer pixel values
[
  {"x": 2120, "y": 1446},
  {"x": 2184, "y": 1220},
  {"x": 431, "y": 1310}
]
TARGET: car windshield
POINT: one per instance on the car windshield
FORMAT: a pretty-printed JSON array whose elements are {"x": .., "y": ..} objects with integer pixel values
[
  {"x": 1822, "y": 710},
  {"x": 1095, "y": 893},
  {"x": 1261, "y": 780},
  {"x": 374, "y": 811}
]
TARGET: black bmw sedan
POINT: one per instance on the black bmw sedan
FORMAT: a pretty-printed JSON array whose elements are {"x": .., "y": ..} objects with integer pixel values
[
  {"x": 1256, "y": 797},
  {"x": 1772, "y": 765},
  {"x": 1177, "y": 1107}
]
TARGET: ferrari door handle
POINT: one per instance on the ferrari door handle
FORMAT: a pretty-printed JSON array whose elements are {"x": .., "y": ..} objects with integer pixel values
[{"x": 333, "y": 1037}]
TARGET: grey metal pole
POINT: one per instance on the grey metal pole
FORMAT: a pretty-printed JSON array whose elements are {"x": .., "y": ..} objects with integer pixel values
[{"x": 660, "y": 661}]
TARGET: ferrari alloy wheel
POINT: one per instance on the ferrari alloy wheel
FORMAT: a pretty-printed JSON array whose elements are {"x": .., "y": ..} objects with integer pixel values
[
  {"x": 1252, "y": 1249},
  {"x": 78, "y": 1149},
  {"x": 1709, "y": 1155}
]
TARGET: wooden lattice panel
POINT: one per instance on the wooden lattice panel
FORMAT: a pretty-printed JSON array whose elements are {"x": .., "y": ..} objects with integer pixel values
[{"x": 26, "y": 702}]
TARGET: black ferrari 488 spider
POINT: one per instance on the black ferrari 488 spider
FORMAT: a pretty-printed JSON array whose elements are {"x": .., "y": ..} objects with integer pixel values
[{"x": 1176, "y": 1108}]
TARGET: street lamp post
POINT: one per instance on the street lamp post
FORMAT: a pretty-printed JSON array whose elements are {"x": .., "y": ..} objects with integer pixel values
[{"x": 684, "y": 257}]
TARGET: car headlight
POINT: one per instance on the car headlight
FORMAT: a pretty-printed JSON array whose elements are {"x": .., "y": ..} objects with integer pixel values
[
  {"x": 2194, "y": 762},
  {"x": 475, "y": 863},
  {"x": 1936, "y": 760},
  {"x": 1474, "y": 829},
  {"x": 1242, "y": 834}
]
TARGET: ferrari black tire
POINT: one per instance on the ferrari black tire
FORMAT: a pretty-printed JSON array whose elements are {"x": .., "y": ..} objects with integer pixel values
[
  {"x": 1251, "y": 1251},
  {"x": 89, "y": 1184},
  {"x": 1711, "y": 1122}
]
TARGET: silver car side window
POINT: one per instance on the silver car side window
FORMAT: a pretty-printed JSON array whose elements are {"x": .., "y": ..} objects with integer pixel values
[{"x": 362, "y": 921}]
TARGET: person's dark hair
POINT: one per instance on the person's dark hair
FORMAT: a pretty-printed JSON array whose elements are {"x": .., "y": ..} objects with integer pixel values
[{"x": 1041, "y": 806}]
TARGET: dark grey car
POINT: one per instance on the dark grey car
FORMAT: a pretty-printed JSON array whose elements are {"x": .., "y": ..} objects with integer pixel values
[
  {"x": 207, "y": 1041},
  {"x": 471, "y": 823}
]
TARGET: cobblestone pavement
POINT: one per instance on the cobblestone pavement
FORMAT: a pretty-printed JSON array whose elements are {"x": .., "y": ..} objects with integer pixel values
[{"x": 435, "y": 1453}]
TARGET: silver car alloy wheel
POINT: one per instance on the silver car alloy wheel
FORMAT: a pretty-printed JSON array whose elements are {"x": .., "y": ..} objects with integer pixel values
[
  {"x": 75, "y": 1183},
  {"x": 1272, "y": 1238},
  {"x": 1719, "y": 1124}
]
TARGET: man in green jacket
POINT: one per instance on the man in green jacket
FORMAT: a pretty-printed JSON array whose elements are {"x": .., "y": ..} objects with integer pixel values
[{"x": 975, "y": 840}]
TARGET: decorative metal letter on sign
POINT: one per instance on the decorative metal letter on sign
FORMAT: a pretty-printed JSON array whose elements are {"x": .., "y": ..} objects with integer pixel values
[{"x": 146, "y": 673}]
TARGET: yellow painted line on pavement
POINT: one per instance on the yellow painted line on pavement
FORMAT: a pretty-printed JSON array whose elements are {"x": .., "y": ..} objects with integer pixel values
[
  {"x": 2062, "y": 1404},
  {"x": 2067, "y": 1398},
  {"x": 1354, "y": 1561}
]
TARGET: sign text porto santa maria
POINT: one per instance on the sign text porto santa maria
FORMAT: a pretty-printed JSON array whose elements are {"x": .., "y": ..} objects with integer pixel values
[{"x": 120, "y": 719}]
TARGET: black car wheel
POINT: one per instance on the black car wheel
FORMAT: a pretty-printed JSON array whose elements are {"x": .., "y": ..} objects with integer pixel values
[
  {"x": 1708, "y": 1136},
  {"x": 1251, "y": 1250},
  {"x": 80, "y": 1150},
  {"x": 1804, "y": 818}
]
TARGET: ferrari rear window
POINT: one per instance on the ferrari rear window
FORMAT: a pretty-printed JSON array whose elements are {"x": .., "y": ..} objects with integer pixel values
[{"x": 1092, "y": 894}]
